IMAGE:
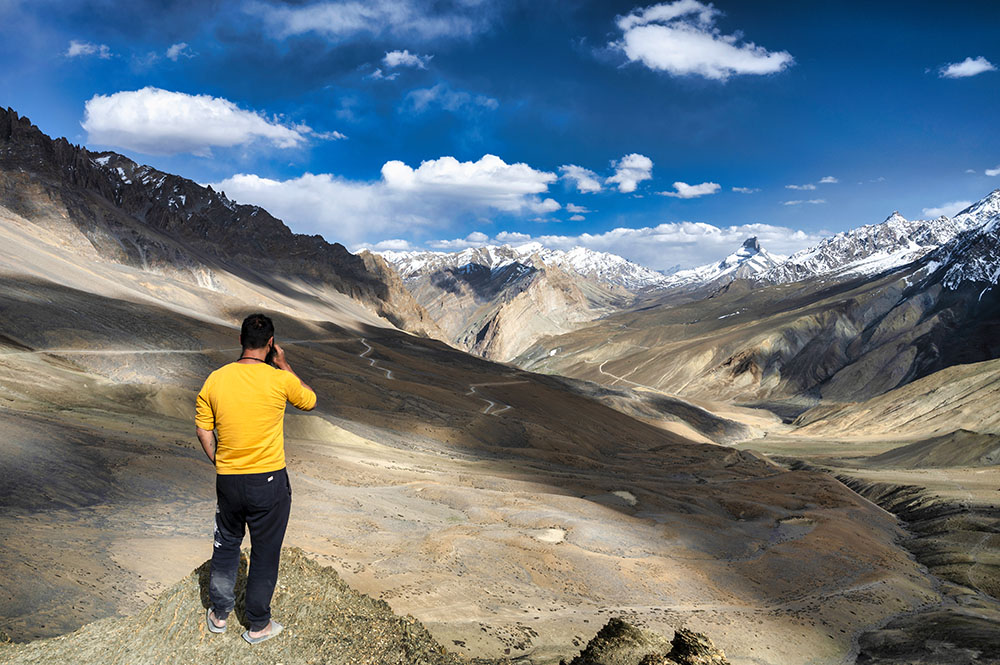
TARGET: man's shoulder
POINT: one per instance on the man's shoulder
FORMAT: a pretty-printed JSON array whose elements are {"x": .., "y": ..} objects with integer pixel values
[{"x": 221, "y": 371}]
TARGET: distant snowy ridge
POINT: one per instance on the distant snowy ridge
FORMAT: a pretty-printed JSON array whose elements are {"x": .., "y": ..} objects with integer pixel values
[
  {"x": 865, "y": 251},
  {"x": 748, "y": 261},
  {"x": 603, "y": 267},
  {"x": 974, "y": 256},
  {"x": 869, "y": 249}
]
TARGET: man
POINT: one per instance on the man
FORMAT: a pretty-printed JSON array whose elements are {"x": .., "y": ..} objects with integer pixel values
[{"x": 239, "y": 421}]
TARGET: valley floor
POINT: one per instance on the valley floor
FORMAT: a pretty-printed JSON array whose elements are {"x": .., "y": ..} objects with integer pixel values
[
  {"x": 951, "y": 516},
  {"x": 498, "y": 550}
]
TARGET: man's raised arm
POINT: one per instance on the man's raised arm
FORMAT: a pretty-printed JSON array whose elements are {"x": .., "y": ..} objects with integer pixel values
[{"x": 306, "y": 401}]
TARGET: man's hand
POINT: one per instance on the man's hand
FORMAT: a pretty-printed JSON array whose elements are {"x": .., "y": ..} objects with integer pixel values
[
  {"x": 207, "y": 438},
  {"x": 279, "y": 358},
  {"x": 281, "y": 363}
]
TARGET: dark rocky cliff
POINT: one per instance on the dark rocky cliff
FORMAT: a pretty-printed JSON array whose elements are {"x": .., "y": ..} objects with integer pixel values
[{"x": 143, "y": 217}]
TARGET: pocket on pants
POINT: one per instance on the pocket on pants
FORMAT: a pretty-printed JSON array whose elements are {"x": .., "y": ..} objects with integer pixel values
[{"x": 264, "y": 494}]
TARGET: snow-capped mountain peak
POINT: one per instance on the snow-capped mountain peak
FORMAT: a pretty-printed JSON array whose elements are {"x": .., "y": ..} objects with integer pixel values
[
  {"x": 981, "y": 213},
  {"x": 973, "y": 256},
  {"x": 749, "y": 260}
]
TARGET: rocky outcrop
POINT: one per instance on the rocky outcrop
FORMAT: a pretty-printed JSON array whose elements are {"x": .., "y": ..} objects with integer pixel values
[
  {"x": 151, "y": 220},
  {"x": 621, "y": 643},
  {"x": 325, "y": 621}
]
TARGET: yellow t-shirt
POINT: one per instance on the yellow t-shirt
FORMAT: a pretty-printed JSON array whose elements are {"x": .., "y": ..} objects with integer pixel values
[{"x": 245, "y": 403}]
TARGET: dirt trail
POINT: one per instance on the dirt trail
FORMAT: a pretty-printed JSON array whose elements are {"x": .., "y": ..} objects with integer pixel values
[
  {"x": 372, "y": 362},
  {"x": 490, "y": 404}
]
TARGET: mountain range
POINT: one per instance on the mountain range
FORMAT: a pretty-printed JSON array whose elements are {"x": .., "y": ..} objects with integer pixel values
[
  {"x": 834, "y": 334},
  {"x": 871, "y": 249},
  {"x": 497, "y": 300}
]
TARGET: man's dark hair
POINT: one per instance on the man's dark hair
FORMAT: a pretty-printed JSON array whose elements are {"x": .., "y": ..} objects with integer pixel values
[{"x": 256, "y": 330}]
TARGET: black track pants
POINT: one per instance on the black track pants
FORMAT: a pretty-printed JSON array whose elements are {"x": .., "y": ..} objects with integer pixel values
[{"x": 262, "y": 502}]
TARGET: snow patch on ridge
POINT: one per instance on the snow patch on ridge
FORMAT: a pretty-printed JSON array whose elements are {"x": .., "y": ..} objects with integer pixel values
[{"x": 600, "y": 266}]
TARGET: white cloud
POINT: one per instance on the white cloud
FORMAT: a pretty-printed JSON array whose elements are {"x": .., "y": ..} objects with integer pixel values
[
  {"x": 686, "y": 191},
  {"x": 160, "y": 122},
  {"x": 828, "y": 180},
  {"x": 796, "y": 203},
  {"x": 806, "y": 187},
  {"x": 474, "y": 239},
  {"x": 687, "y": 244},
  {"x": 681, "y": 38},
  {"x": 575, "y": 209},
  {"x": 379, "y": 76},
  {"x": 406, "y": 59},
  {"x": 974, "y": 170},
  {"x": 630, "y": 170},
  {"x": 329, "y": 136},
  {"x": 343, "y": 19},
  {"x": 392, "y": 244},
  {"x": 435, "y": 194},
  {"x": 450, "y": 100},
  {"x": 992, "y": 172},
  {"x": 77, "y": 49},
  {"x": 512, "y": 237},
  {"x": 179, "y": 50},
  {"x": 746, "y": 190},
  {"x": 948, "y": 209},
  {"x": 577, "y": 218},
  {"x": 585, "y": 180},
  {"x": 968, "y": 67}
]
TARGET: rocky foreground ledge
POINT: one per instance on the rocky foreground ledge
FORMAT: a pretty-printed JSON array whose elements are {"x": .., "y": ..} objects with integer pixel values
[{"x": 326, "y": 623}]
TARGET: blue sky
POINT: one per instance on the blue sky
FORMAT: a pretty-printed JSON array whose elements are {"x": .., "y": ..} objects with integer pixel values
[{"x": 662, "y": 132}]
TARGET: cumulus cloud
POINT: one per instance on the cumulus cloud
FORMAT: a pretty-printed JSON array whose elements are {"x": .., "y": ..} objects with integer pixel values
[
  {"x": 392, "y": 244},
  {"x": 575, "y": 209},
  {"x": 806, "y": 187},
  {"x": 577, "y": 218},
  {"x": 450, "y": 100},
  {"x": 435, "y": 194},
  {"x": 828, "y": 180},
  {"x": 687, "y": 244},
  {"x": 179, "y": 50},
  {"x": 77, "y": 49},
  {"x": 686, "y": 191},
  {"x": 585, "y": 180},
  {"x": 681, "y": 38},
  {"x": 798, "y": 203},
  {"x": 992, "y": 172},
  {"x": 406, "y": 59},
  {"x": 630, "y": 170},
  {"x": 344, "y": 19},
  {"x": 968, "y": 67},
  {"x": 948, "y": 209},
  {"x": 160, "y": 122},
  {"x": 746, "y": 190}
]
